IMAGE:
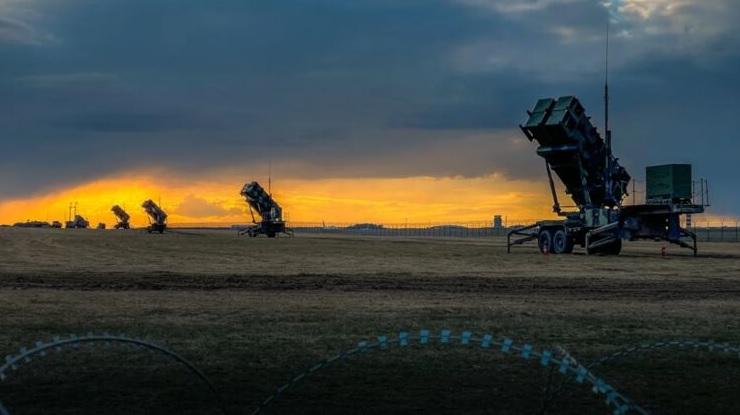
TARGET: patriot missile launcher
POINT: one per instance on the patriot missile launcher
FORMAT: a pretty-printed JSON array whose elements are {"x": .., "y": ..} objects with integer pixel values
[
  {"x": 157, "y": 217},
  {"x": 593, "y": 178},
  {"x": 271, "y": 221},
  {"x": 122, "y": 217}
]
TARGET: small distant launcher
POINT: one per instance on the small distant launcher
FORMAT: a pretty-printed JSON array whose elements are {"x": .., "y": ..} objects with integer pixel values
[
  {"x": 157, "y": 217},
  {"x": 78, "y": 223},
  {"x": 271, "y": 214},
  {"x": 122, "y": 217}
]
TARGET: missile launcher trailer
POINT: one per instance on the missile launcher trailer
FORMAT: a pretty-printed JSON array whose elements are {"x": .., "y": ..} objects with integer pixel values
[
  {"x": 157, "y": 217},
  {"x": 122, "y": 217},
  {"x": 271, "y": 214},
  {"x": 597, "y": 183}
]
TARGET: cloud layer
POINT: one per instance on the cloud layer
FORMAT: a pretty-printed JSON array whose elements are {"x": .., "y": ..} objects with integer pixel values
[{"x": 336, "y": 89}]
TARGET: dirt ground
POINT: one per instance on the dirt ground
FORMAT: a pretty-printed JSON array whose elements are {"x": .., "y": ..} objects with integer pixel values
[{"x": 252, "y": 313}]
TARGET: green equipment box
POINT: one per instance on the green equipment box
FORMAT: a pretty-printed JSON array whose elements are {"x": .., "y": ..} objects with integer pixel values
[{"x": 669, "y": 183}]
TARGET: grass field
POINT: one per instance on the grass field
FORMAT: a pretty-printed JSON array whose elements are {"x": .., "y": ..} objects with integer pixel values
[{"x": 252, "y": 313}]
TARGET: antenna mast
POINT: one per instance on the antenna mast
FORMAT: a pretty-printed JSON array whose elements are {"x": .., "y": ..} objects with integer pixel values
[
  {"x": 607, "y": 133},
  {"x": 606, "y": 92},
  {"x": 269, "y": 177}
]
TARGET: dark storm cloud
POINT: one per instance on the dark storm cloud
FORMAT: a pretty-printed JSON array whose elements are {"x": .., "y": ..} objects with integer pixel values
[
  {"x": 330, "y": 88},
  {"x": 71, "y": 81},
  {"x": 132, "y": 123},
  {"x": 264, "y": 78},
  {"x": 14, "y": 31}
]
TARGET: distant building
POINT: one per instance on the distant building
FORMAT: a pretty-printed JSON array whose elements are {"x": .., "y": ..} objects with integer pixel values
[
  {"x": 497, "y": 222},
  {"x": 365, "y": 226},
  {"x": 32, "y": 224}
]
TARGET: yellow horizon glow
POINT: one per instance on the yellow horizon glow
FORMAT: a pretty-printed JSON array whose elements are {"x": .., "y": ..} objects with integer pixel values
[
  {"x": 413, "y": 200},
  {"x": 336, "y": 201}
]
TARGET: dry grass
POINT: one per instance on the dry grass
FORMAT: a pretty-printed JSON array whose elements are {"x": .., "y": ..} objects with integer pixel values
[{"x": 254, "y": 312}]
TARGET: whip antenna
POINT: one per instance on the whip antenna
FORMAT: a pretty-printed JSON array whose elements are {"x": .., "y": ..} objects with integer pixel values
[{"x": 607, "y": 133}]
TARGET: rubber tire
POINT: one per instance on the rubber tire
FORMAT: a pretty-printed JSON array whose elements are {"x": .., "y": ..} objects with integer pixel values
[
  {"x": 544, "y": 239},
  {"x": 561, "y": 243}
]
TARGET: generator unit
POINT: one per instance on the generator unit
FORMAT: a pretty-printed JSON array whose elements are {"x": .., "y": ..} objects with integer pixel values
[{"x": 670, "y": 183}]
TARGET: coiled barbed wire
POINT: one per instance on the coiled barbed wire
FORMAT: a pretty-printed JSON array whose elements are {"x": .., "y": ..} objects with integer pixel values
[{"x": 12, "y": 362}]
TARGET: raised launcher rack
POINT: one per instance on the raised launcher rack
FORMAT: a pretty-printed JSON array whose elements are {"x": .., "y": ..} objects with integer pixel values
[
  {"x": 574, "y": 150},
  {"x": 157, "y": 217},
  {"x": 271, "y": 214},
  {"x": 122, "y": 217}
]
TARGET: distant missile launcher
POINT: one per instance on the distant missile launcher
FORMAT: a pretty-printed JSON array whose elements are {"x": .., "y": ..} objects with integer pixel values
[
  {"x": 157, "y": 217},
  {"x": 271, "y": 214},
  {"x": 122, "y": 217}
]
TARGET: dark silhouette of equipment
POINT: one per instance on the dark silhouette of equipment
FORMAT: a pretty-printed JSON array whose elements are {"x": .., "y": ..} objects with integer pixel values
[
  {"x": 78, "y": 223},
  {"x": 122, "y": 217},
  {"x": 32, "y": 224},
  {"x": 271, "y": 214},
  {"x": 157, "y": 217},
  {"x": 597, "y": 183}
]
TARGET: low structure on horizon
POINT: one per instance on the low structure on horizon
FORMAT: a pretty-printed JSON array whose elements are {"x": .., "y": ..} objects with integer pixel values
[{"x": 78, "y": 223}]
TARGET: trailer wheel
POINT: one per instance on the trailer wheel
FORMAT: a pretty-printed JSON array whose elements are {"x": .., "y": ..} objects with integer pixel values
[
  {"x": 544, "y": 241},
  {"x": 561, "y": 243}
]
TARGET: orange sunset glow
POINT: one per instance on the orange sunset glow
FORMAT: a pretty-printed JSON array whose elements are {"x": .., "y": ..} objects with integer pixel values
[{"x": 411, "y": 200}]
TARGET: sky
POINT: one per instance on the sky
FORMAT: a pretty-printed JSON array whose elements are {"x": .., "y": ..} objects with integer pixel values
[{"x": 384, "y": 111}]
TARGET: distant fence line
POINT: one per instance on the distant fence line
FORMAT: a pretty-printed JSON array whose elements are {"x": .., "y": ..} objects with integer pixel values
[
  {"x": 450, "y": 230},
  {"x": 706, "y": 231},
  {"x": 717, "y": 231}
]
